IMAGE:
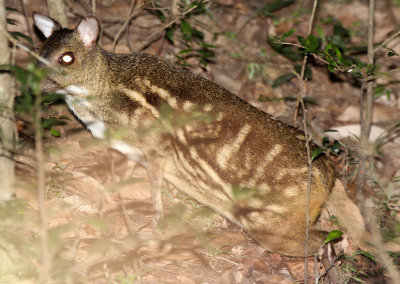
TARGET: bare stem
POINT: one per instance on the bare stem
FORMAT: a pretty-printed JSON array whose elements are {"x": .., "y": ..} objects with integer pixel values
[
  {"x": 300, "y": 102},
  {"x": 94, "y": 6},
  {"x": 366, "y": 114},
  {"x": 45, "y": 271}
]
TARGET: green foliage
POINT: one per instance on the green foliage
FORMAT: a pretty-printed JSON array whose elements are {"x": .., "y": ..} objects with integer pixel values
[
  {"x": 316, "y": 152},
  {"x": 17, "y": 35},
  {"x": 283, "y": 49},
  {"x": 332, "y": 236},
  {"x": 310, "y": 44},
  {"x": 187, "y": 35},
  {"x": 9, "y": 9},
  {"x": 333, "y": 146},
  {"x": 29, "y": 81},
  {"x": 380, "y": 91},
  {"x": 349, "y": 265},
  {"x": 364, "y": 253},
  {"x": 337, "y": 51}
]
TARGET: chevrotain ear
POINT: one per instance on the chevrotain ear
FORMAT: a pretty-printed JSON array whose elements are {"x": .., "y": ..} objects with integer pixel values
[
  {"x": 88, "y": 30},
  {"x": 45, "y": 24}
]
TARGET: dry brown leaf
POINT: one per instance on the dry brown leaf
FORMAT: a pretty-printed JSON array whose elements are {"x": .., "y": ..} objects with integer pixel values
[
  {"x": 348, "y": 215},
  {"x": 296, "y": 268}
]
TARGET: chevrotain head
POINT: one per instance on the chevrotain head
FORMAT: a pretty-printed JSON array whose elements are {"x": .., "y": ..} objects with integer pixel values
[{"x": 73, "y": 52}]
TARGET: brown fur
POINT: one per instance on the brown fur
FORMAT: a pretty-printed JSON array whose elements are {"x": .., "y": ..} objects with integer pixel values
[{"x": 241, "y": 147}]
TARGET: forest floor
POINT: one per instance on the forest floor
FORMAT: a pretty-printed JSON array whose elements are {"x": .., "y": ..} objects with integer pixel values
[{"x": 99, "y": 202}]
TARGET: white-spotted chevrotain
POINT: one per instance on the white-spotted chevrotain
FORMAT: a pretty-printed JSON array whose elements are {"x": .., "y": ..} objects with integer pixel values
[{"x": 232, "y": 150}]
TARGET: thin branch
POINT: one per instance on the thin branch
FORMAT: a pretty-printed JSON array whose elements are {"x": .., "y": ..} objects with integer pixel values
[
  {"x": 136, "y": 8},
  {"x": 366, "y": 115},
  {"x": 94, "y": 6},
  {"x": 300, "y": 101},
  {"x": 28, "y": 50},
  {"x": 46, "y": 263},
  {"x": 28, "y": 25},
  {"x": 386, "y": 42}
]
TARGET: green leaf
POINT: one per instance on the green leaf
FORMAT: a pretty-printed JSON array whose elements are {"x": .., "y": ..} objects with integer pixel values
[
  {"x": 338, "y": 54},
  {"x": 383, "y": 74},
  {"x": 333, "y": 235},
  {"x": 16, "y": 35},
  {"x": 169, "y": 34},
  {"x": 336, "y": 147},
  {"x": 197, "y": 34},
  {"x": 52, "y": 97},
  {"x": 329, "y": 130},
  {"x": 207, "y": 45},
  {"x": 312, "y": 43},
  {"x": 364, "y": 253},
  {"x": 302, "y": 40},
  {"x": 356, "y": 73},
  {"x": 184, "y": 51},
  {"x": 50, "y": 122},
  {"x": 288, "y": 34},
  {"x": 186, "y": 28},
  {"x": 55, "y": 132},
  {"x": 205, "y": 53},
  {"x": 340, "y": 31},
  {"x": 325, "y": 141},
  {"x": 283, "y": 79},
  {"x": 19, "y": 73},
  {"x": 332, "y": 67},
  {"x": 9, "y": 9},
  {"x": 316, "y": 152},
  {"x": 200, "y": 8},
  {"x": 11, "y": 22},
  {"x": 321, "y": 34}
]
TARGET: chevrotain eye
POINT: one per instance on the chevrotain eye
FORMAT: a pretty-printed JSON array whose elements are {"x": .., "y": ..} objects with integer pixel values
[{"x": 67, "y": 58}]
